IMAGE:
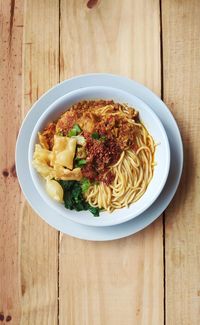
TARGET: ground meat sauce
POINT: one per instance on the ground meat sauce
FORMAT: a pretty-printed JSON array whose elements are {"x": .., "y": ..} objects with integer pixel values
[
  {"x": 100, "y": 156},
  {"x": 48, "y": 135},
  {"x": 113, "y": 126},
  {"x": 115, "y": 135},
  {"x": 66, "y": 122}
]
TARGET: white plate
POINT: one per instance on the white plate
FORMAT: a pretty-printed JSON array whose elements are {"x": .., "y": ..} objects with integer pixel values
[
  {"x": 162, "y": 156},
  {"x": 88, "y": 232}
]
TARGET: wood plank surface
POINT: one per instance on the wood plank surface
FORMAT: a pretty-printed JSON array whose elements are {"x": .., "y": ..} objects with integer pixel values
[
  {"x": 181, "y": 59},
  {"x": 119, "y": 282},
  {"x": 47, "y": 279},
  {"x": 39, "y": 242},
  {"x": 11, "y": 34}
]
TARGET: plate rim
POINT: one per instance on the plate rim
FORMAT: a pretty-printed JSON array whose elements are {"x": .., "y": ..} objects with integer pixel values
[{"x": 120, "y": 79}]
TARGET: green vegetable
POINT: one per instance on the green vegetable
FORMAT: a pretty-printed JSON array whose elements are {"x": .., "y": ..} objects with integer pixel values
[
  {"x": 93, "y": 210},
  {"x": 77, "y": 128},
  {"x": 103, "y": 138},
  {"x": 95, "y": 135},
  {"x": 85, "y": 184},
  {"x": 80, "y": 162},
  {"x": 74, "y": 199},
  {"x": 66, "y": 185},
  {"x": 74, "y": 131}
]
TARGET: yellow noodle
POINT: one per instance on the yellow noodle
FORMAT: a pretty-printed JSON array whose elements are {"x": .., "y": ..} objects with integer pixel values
[{"x": 133, "y": 171}]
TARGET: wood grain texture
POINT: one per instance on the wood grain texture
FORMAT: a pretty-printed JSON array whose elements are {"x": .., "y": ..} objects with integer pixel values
[
  {"x": 181, "y": 53},
  {"x": 11, "y": 33},
  {"x": 111, "y": 283},
  {"x": 39, "y": 245},
  {"x": 118, "y": 282},
  {"x": 117, "y": 37}
]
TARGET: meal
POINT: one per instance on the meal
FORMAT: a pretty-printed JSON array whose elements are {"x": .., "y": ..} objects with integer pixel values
[{"x": 96, "y": 156}]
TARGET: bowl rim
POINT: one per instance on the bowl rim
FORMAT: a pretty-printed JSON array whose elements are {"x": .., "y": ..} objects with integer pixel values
[{"x": 94, "y": 221}]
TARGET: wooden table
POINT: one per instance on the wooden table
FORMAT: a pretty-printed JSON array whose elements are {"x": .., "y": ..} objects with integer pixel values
[{"x": 153, "y": 277}]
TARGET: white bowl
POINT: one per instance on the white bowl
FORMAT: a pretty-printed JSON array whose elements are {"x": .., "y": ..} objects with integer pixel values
[{"x": 153, "y": 125}]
